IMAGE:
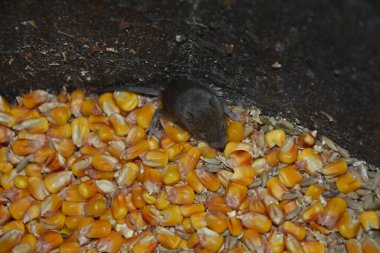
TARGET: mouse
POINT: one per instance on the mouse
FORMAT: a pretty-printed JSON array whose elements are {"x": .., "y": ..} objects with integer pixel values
[{"x": 198, "y": 108}]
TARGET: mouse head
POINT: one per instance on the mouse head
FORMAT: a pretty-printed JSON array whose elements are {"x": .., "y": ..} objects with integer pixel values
[{"x": 206, "y": 122}]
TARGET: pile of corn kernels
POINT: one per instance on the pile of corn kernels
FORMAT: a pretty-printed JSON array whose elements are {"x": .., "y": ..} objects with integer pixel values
[{"x": 79, "y": 174}]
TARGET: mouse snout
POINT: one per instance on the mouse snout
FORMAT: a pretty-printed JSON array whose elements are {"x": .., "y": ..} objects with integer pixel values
[{"x": 218, "y": 143}]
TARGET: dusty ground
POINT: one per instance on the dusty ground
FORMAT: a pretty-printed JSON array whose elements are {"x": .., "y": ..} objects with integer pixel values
[{"x": 328, "y": 51}]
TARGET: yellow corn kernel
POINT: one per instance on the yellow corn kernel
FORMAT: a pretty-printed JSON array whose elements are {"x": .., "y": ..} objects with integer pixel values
[
  {"x": 369, "y": 220},
  {"x": 105, "y": 162},
  {"x": 209, "y": 239},
  {"x": 97, "y": 229},
  {"x": 4, "y": 215},
  {"x": 73, "y": 208},
  {"x": 276, "y": 242},
  {"x": 80, "y": 165},
  {"x": 87, "y": 189},
  {"x": 257, "y": 206},
  {"x": 48, "y": 242},
  {"x": 314, "y": 192},
  {"x": 100, "y": 175},
  {"x": 107, "y": 104},
  {"x": 119, "y": 125},
  {"x": 152, "y": 180},
  {"x": 288, "y": 152},
  {"x": 226, "y": 175},
  {"x": 259, "y": 165},
  {"x": 167, "y": 238},
  {"x": 135, "y": 135},
  {"x": 319, "y": 228},
  {"x": 335, "y": 169},
  {"x": 7, "y": 120},
  {"x": 370, "y": 245},
  {"x": 50, "y": 205},
  {"x": 149, "y": 198},
  {"x": 259, "y": 222},
  {"x": 107, "y": 134},
  {"x": 96, "y": 205},
  {"x": 90, "y": 107},
  {"x": 127, "y": 174},
  {"x": 353, "y": 246},
  {"x": 243, "y": 174},
  {"x": 64, "y": 147},
  {"x": 234, "y": 225},
  {"x": 6, "y": 167},
  {"x": 293, "y": 245},
  {"x": 21, "y": 113},
  {"x": 95, "y": 122},
  {"x": 235, "y": 194},
  {"x": 135, "y": 150},
  {"x": 198, "y": 220},
  {"x": 239, "y": 157},
  {"x": 77, "y": 98},
  {"x": 119, "y": 206},
  {"x": 276, "y": 188},
  {"x": 312, "y": 161},
  {"x": 275, "y": 213},
  {"x": 188, "y": 210},
  {"x": 332, "y": 212},
  {"x": 9, "y": 240},
  {"x": 151, "y": 215},
  {"x": 161, "y": 201},
  {"x": 145, "y": 114},
  {"x": 312, "y": 213},
  {"x": 7, "y": 179},
  {"x": 137, "y": 198},
  {"x": 306, "y": 140},
  {"x": 194, "y": 182},
  {"x": 208, "y": 180},
  {"x": 115, "y": 148},
  {"x": 275, "y": 138},
  {"x": 4, "y": 105},
  {"x": 15, "y": 224},
  {"x": 146, "y": 244},
  {"x": 206, "y": 150},
  {"x": 55, "y": 222},
  {"x": 272, "y": 157},
  {"x": 34, "y": 126},
  {"x": 111, "y": 243},
  {"x": 57, "y": 181},
  {"x": 193, "y": 240},
  {"x": 176, "y": 134},
  {"x": 295, "y": 229},
  {"x": 181, "y": 195},
  {"x": 155, "y": 158},
  {"x": 170, "y": 174},
  {"x": 216, "y": 222},
  {"x": 37, "y": 187},
  {"x": 70, "y": 247},
  {"x": 60, "y": 115},
  {"x": 80, "y": 131},
  {"x": 75, "y": 222},
  {"x": 21, "y": 182},
  {"x": 348, "y": 183},
  {"x": 127, "y": 101},
  {"x": 34, "y": 98},
  {"x": 27, "y": 244},
  {"x": 24, "y": 147},
  {"x": 289, "y": 176},
  {"x": 33, "y": 212},
  {"x": 313, "y": 247},
  {"x": 5, "y": 135},
  {"x": 172, "y": 216},
  {"x": 347, "y": 226},
  {"x": 235, "y": 131},
  {"x": 253, "y": 240},
  {"x": 188, "y": 160},
  {"x": 63, "y": 131},
  {"x": 216, "y": 203}
]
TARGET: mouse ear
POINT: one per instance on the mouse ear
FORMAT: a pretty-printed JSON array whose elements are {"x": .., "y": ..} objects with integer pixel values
[{"x": 217, "y": 91}]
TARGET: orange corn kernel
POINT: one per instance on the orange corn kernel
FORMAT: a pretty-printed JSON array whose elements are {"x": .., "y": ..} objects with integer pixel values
[
  {"x": 135, "y": 135},
  {"x": 176, "y": 134},
  {"x": 198, "y": 220},
  {"x": 9, "y": 240},
  {"x": 313, "y": 247},
  {"x": 64, "y": 147},
  {"x": 145, "y": 114},
  {"x": 119, "y": 206},
  {"x": 15, "y": 224},
  {"x": 243, "y": 174},
  {"x": 188, "y": 160},
  {"x": 369, "y": 220},
  {"x": 276, "y": 188},
  {"x": 77, "y": 99},
  {"x": 73, "y": 208},
  {"x": 4, "y": 105},
  {"x": 353, "y": 246},
  {"x": 306, "y": 140},
  {"x": 97, "y": 229},
  {"x": 216, "y": 222},
  {"x": 312, "y": 213},
  {"x": 135, "y": 150},
  {"x": 162, "y": 202},
  {"x": 235, "y": 194},
  {"x": 181, "y": 195},
  {"x": 167, "y": 238},
  {"x": 96, "y": 205},
  {"x": 335, "y": 169},
  {"x": 75, "y": 222},
  {"x": 259, "y": 222},
  {"x": 4, "y": 215},
  {"x": 288, "y": 152},
  {"x": 149, "y": 198},
  {"x": 272, "y": 157},
  {"x": 347, "y": 226},
  {"x": 70, "y": 247},
  {"x": 188, "y": 210},
  {"x": 319, "y": 228},
  {"x": 63, "y": 131},
  {"x": 5, "y": 135},
  {"x": 33, "y": 212},
  {"x": 332, "y": 212},
  {"x": 95, "y": 122},
  {"x": 107, "y": 134},
  {"x": 235, "y": 226},
  {"x": 137, "y": 198},
  {"x": 172, "y": 216},
  {"x": 59, "y": 115},
  {"x": 57, "y": 181},
  {"x": 257, "y": 206},
  {"x": 208, "y": 180},
  {"x": 48, "y": 242},
  {"x": 275, "y": 138},
  {"x": 171, "y": 174},
  {"x": 310, "y": 161},
  {"x": 209, "y": 239},
  {"x": 275, "y": 213},
  {"x": 34, "y": 98},
  {"x": 215, "y": 204},
  {"x": 24, "y": 147},
  {"x": 314, "y": 191},
  {"x": 348, "y": 183},
  {"x": 27, "y": 244},
  {"x": 289, "y": 176},
  {"x": 146, "y": 244},
  {"x": 50, "y": 205},
  {"x": 111, "y": 243},
  {"x": 151, "y": 215},
  {"x": 108, "y": 104},
  {"x": 254, "y": 241},
  {"x": 90, "y": 107},
  {"x": 193, "y": 180},
  {"x": 7, "y": 120},
  {"x": 87, "y": 189},
  {"x": 152, "y": 180},
  {"x": 276, "y": 242},
  {"x": 55, "y": 222},
  {"x": 71, "y": 193},
  {"x": 7, "y": 179},
  {"x": 206, "y": 150},
  {"x": 293, "y": 245},
  {"x": 370, "y": 245},
  {"x": 295, "y": 229},
  {"x": 20, "y": 113},
  {"x": 115, "y": 148},
  {"x": 225, "y": 177},
  {"x": 37, "y": 188},
  {"x": 127, "y": 101},
  {"x": 21, "y": 182},
  {"x": 79, "y": 131},
  {"x": 235, "y": 131},
  {"x": 119, "y": 124},
  {"x": 105, "y": 162},
  {"x": 127, "y": 175},
  {"x": 6, "y": 167},
  {"x": 155, "y": 158}
]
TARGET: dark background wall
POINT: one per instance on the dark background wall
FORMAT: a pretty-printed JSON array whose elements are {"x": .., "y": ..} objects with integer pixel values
[{"x": 328, "y": 51}]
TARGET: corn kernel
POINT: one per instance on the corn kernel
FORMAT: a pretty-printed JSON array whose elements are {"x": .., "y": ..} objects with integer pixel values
[
  {"x": 63, "y": 131},
  {"x": 335, "y": 169},
  {"x": 127, "y": 174},
  {"x": 181, "y": 195},
  {"x": 145, "y": 114},
  {"x": 332, "y": 212},
  {"x": 167, "y": 238},
  {"x": 370, "y": 245},
  {"x": 208, "y": 180},
  {"x": 288, "y": 152},
  {"x": 312, "y": 213},
  {"x": 347, "y": 226},
  {"x": 235, "y": 194},
  {"x": 314, "y": 191},
  {"x": 135, "y": 135},
  {"x": 111, "y": 243},
  {"x": 80, "y": 130},
  {"x": 97, "y": 229},
  {"x": 172, "y": 216},
  {"x": 37, "y": 188},
  {"x": 353, "y": 246},
  {"x": 105, "y": 162},
  {"x": 292, "y": 245},
  {"x": 73, "y": 208},
  {"x": 216, "y": 222},
  {"x": 194, "y": 182},
  {"x": 188, "y": 160},
  {"x": 119, "y": 125},
  {"x": 348, "y": 183},
  {"x": 209, "y": 239},
  {"x": 34, "y": 98},
  {"x": 171, "y": 174},
  {"x": 127, "y": 101},
  {"x": 235, "y": 131},
  {"x": 50, "y": 205},
  {"x": 256, "y": 221},
  {"x": 155, "y": 158},
  {"x": 312, "y": 161},
  {"x": 119, "y": 206},
  {"x": 295, "y": 229},
  {"x": 90, "y": 107},
  {"x": 55, "y": 222},
  {"x": 254, "y": 241},
  {"x": 276, "y": 188},
  {"x": 96, "y": 205},
  {"x": 135, "y": 150},
  {"x": 289, "y": 176},
  {"x": 108, "y": 104},
  {"x": 275, "y": 137},
  {"x": 369, "y": 220},
  {"x": 176, "y": 134},
  {"x": 48, "y": 242},
  {"x": 59, "y": 115},
  {"x": 9, "y": 240},
  {"x": 57, "y": 181},
  {"x": 276, "y": 242},
  {"x": 95, "y": 122}
]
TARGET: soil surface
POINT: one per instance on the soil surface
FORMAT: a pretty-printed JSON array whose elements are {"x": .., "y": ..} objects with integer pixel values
[{"x": 312, "y": 61}]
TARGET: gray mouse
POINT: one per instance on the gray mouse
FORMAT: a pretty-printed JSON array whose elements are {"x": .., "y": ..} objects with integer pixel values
[{"x": 195, "y": 107}]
